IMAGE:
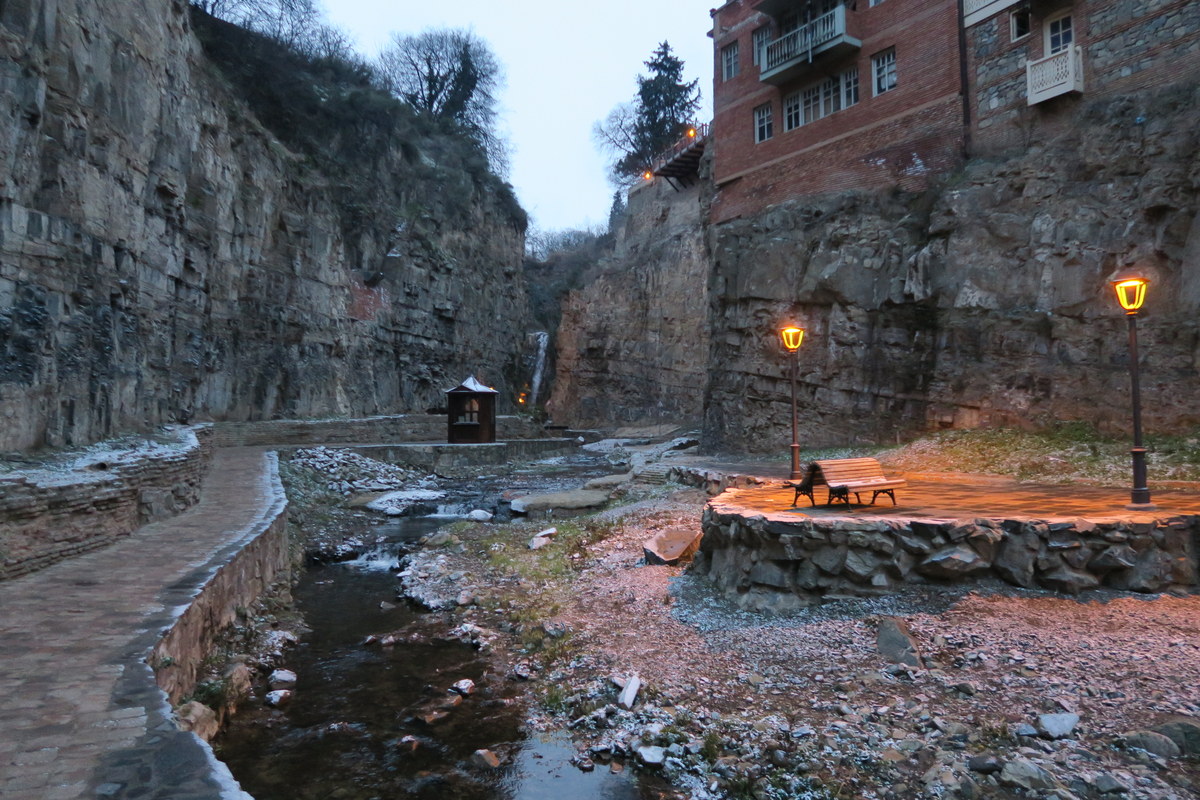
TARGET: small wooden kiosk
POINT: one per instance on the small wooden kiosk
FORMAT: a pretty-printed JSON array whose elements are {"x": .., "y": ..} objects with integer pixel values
[{"x": 471, "y": 408}]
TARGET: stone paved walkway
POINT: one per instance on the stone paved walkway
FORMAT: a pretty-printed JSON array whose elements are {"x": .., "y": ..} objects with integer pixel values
[{"x": 80, "y": 716}]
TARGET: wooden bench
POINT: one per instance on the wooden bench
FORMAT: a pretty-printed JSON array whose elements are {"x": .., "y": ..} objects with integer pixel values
[{"x": 844, "y": 476}]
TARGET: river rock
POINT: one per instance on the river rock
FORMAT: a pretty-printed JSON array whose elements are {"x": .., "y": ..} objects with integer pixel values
[
  {"x": 608, "y": 481},
  {"x": 479, "y": 515},
  {"x": 485, "y": 759},
  {"x": 569, "y": 500},
  {"x": 651, "y": 755},
  {"x": 629, "y": 693},
  {"x": 198, "y": 718},
  {"x": 279, "y": 698},
  {"x": 281, "y": 678},
  {"x": 465, "y": 687}
]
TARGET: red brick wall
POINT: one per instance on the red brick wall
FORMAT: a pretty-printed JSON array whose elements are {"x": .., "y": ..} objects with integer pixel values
[{"x": 895, "y": 139}]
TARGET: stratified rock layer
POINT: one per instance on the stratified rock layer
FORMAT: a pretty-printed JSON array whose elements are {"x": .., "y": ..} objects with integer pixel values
[{"x": 163, "y": 257}]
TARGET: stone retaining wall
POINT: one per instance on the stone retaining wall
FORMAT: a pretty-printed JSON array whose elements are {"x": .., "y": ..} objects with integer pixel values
[
  {"x": 772, "y": 564},
  {"x": 365, "y": 430},
  {"x": 48, "y": 515},
  {"x": 257, "y": 559}
]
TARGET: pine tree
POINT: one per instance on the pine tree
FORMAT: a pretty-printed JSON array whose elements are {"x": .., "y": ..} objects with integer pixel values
[{"x": 661, "y": 113}]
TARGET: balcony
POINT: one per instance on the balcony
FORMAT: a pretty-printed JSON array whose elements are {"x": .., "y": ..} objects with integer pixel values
[
  {"x": 792, "y": 54},
  {"x": 681, "y": 161},
  {"x": 978, "y": 10},
  {"x": 1054, "y": 75}
]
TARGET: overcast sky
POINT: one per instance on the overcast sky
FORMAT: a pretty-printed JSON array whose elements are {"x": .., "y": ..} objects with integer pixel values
[{"x": 567, "y": 63}]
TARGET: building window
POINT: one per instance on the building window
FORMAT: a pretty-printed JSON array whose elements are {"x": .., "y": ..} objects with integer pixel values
[
  {"x": 1018, "y": 24},
  {"x": 884, "y": 67},
  {"x": 791, "y": 112},
  {"x": 820, "y": 100},
  {"x": 849, "y": 87},
  {"x": 759, "y": 41},
  {"x": 763, "y": 124},
  {"x": 1058, "y": 34},
  {"x": 729, "y": 61},
  {"x": 875, "y": 3}
]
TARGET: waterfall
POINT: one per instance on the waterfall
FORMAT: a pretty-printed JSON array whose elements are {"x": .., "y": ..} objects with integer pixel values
[{"x": 539, "y": 364}]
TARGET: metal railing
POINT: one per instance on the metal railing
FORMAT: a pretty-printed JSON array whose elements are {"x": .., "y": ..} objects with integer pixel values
[
  {"x": 805, "y": 39},
  {"x": 1054, "y": 75},
  {"x": 696, "y": 134}
]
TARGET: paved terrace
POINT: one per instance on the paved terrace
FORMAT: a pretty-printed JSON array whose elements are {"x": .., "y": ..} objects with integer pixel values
[{"x": 81, "y": 716}]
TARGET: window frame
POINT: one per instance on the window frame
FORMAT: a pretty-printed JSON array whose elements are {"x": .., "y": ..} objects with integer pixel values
[
  {"x": 1048, "y": 34},
  {"x": 884, "y": 65},
  {"x": 758, "y": 48},
  {"x": 792, "y": 115},
  {"x": 730, "y": 61},
  {"x": 1023, "y": 11},
  {"x": 764, "y": 123}
]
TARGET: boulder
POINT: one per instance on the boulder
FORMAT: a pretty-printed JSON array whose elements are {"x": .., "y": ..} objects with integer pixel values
[
  {"x": 1023, "y": 773},
  {"x": 1014, "y": 562},
  {"x": 608, "y": 481},
  {"x": 896, "y": 644},
  {"x": 279, "y": 698},
  {"x": 282, "y": 678},
  {"x": 1057, "y": 726},
  {"x": 1065, "y": 579},
  {"x": 485, "y": 759},
  {"x": 1184, "y": 732},
  {"x": 1154, "y": 743},
  {"x": 569, "y": 500},
  {"x": 673, "y": 546},
  {"x": 651, "y": 756},
  {"x": 479, "y": 515},
  {"x": 1117, "y": 556},
  {"x": 199, "y": 719}
]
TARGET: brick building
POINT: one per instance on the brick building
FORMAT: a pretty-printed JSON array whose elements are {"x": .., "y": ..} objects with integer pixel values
[
  {"x": 814, "y": 96},
  {"x": 1032, "y": 63}
]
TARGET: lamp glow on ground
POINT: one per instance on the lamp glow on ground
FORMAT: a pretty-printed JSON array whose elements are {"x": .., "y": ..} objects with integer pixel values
[{"x": 792, "y": 336}]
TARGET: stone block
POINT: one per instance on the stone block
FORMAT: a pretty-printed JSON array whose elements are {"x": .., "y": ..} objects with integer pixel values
[
  {"x": 779, "y": 574},
  {"x": 861, "y": 565},
  {"x": 830, "y": 559},
  {"x": 1065, "y": 579},
  {"x": 1014, "y": 562},
  {"x": 955, "y": 561}
]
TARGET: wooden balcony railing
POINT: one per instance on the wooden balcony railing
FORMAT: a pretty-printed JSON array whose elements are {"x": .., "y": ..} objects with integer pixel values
[
  {"x": 682, "y": 157},
  {"x": 801, "y": 42}
]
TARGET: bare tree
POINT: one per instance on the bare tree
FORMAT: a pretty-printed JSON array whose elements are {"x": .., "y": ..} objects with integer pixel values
[
  {"x": 449, "y": 74},
  {"x": 296, "y": 23}
]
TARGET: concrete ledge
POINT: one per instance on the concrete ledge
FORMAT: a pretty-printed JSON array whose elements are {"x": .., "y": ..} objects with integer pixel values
[
  {"x": 256, "y": 558},
  {"x": 384, "y": 429},
  {"x": 47, "y": 515},
  {"x": 436, "y": 456}
]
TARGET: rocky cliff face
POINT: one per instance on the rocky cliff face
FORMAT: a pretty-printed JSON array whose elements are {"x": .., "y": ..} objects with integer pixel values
[
  {"x": 632, "y": 345},
  {"x": 981, "y": 301},
  {"x": 163, "y": 256}
]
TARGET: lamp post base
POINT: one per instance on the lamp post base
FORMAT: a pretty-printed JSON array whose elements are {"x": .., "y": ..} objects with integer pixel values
[
  {"x": 1141, "y": 507},
  {"x": 797, "y": 473}
]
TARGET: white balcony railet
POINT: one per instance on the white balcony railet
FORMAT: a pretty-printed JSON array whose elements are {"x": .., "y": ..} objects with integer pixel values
[
  {"x": 1054, "y": 75},
  {"x": 792, "y": 54}
]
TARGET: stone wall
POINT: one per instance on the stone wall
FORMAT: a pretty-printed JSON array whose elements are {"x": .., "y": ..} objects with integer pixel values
[
  {"x": 165, "y": 258},
  {"x": 367, "y": 430},
  {"x": 48, "y": 515},
  {"x": 632, "y": 345},
  {"x": 258, "y": 559},
  {"x": 767, "y": 563}
]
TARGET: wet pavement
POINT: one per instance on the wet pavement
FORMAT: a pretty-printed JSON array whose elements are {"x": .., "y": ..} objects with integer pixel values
[{"x": 81, "y": 716}]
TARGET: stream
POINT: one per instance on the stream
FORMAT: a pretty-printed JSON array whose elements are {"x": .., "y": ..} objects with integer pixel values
[{"x": 369, "y": 722}]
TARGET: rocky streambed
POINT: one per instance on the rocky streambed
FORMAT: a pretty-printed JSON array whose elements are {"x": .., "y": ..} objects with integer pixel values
[{"x": 928, "y": 692}]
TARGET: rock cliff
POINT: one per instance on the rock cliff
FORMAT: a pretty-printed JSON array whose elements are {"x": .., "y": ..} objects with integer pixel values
[
  {"x": 982, "y": 301},
  {"x": 165, "y": 256},
  {"x": 632, "y": 345}
]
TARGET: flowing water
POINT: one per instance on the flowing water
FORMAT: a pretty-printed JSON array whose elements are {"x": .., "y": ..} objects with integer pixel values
[{"x": 360, "y": 724}]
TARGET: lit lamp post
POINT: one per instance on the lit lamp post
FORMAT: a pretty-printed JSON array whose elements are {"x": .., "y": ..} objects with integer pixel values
[
  {"x": 1130, "y": 287},
  {"x": 792, "y": 337}
]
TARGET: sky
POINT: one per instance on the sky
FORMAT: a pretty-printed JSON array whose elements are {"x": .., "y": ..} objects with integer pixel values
[{"x": 567, "y": 63}]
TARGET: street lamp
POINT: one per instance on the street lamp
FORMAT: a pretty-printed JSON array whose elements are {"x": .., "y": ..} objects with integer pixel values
[
  {"x": 792, "y": 337},
  {"x": 1130, "y": 286}
]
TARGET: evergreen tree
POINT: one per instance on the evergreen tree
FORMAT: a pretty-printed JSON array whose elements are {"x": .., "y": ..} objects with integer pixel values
[{"x": 661, "y": 113}]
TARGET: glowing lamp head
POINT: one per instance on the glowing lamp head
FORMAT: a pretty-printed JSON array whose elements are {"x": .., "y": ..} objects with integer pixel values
[
  {"x": 1131, "y": 290},
  {"x": 691, "y": 133},
  {"x": 647, "y": 175},
  {"x": 792, "y": 337}
]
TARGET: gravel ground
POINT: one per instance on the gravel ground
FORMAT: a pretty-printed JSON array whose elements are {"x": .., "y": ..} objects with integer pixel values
[{"x": 1013, "y": 693}]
